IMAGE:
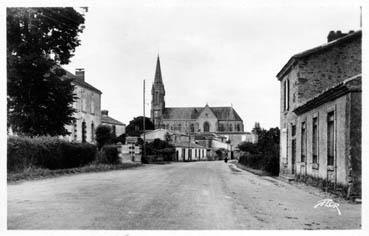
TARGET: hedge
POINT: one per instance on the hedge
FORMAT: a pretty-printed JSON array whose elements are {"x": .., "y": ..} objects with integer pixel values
[
  {"x": 109, "y": 155},
  {"x": 47, "y": 152}
]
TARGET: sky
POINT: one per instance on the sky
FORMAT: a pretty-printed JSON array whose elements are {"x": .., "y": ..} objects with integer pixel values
[{"x": 211, "y": 52}]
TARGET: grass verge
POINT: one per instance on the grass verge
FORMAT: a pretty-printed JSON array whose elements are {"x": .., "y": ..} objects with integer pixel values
[
  {"x": 40, "y": 173},
  {"x": 254, "y": 171}
]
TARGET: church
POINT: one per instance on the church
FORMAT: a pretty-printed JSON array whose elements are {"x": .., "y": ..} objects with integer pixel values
[{"x": 191, "y": 120}]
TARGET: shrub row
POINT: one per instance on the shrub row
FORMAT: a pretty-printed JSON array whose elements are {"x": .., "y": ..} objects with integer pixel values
[
  {"x": 47, "y": 152},
  {"x": 269, "y": 163},
  {"x": 109, "y": 155}
]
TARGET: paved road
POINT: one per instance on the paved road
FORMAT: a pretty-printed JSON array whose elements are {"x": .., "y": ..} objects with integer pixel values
[{"x": 197, "y": 195}]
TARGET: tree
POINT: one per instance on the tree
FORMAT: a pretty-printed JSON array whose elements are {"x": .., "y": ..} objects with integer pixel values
[
  {"x": 103, "y": 135},
  {"x": 135, "y": 126},
  {"x": 39, "y": 40}
]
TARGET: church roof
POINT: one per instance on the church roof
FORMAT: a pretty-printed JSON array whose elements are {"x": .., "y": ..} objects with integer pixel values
[{"x": 191, "y": 113}]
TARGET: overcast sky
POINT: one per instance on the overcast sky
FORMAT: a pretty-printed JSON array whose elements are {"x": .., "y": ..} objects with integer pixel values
[{"x": 220, "y": 54}]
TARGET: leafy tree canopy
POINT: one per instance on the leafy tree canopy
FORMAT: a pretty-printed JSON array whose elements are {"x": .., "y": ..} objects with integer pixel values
[
  {"x": 135, "y": 126},
  {"x": 38, "y": 41}
]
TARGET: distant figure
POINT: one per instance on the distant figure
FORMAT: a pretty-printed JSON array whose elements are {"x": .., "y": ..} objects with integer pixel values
[{"x": 226, "y": 159}]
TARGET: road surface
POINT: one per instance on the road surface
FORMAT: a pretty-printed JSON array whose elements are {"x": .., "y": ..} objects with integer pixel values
[{"x": 195, "y": 195}]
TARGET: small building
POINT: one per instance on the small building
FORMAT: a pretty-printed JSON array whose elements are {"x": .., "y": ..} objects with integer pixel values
[
  {"x": 186, "y": 148},
  {"x": 118, "y": 128},
  {"x": 320, "y": 116},
  {"x": 190, "y": 152},
  {"x": 88, "y": 109}
]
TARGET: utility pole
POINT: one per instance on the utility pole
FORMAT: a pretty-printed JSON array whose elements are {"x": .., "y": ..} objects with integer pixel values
[
  {"x": 143, "y": 120},
  {"x": 361, "y": 17}
]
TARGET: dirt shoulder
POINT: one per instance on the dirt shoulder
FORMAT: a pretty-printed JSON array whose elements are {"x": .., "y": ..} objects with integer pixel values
[{"x": 39, "y": 173}]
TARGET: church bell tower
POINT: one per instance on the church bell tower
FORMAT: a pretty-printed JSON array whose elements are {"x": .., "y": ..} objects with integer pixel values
[{"x": 157, "y": 101}]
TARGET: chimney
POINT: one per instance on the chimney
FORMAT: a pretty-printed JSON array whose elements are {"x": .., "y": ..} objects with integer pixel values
[
  {"x": 80, "y": 74},
  {"x": 104, "y": 112},
  {"x": 333, "y": 35}
]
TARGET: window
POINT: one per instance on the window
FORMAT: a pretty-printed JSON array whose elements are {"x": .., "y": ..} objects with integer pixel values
[
  {"x": 192, "y": 128},
  {"x": 179, "y": 127},
  {"x": 221, "y": 127},
  {"x": 293, "y": 130},
  {"x": 83, "y": 132},
  {"x": 330, "y": 139},
  {"x": 92, "y": 106},
  {"x": 303, "y": 142},
  {"x": 315, "y": 140},
  {"x": 238, "y": 127},
  {"x": 114, "y": 130},
  {"x": 157, "y": 97},
  {"x": 286, "y": 94},
  {"x": 75, "y": 130},
  {"x": 230, "y": 127},
  {"x": 84, "y": 104},
  {"x": 92, "y": 132},
  {"x": 206, "y": 126}
]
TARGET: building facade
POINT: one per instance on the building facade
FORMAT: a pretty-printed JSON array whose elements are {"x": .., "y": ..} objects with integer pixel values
[
  {"x": 186, "y": 147},
  {"x": 191, "y": 119},
  {"x": 88, "y": 109},
  {"x": 320, "y": 110},
  {"x": 118, "y": 128}
]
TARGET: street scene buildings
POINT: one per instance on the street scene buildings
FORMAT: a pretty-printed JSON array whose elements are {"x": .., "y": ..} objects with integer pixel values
[
  {"x": 321, "y": 113},
  {"x": 201, "y": 159}
]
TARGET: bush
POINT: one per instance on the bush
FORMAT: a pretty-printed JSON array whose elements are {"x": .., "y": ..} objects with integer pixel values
[
  {"x": 109, "y": 155},
  {"x": 263, "y": 155},
  {"x": 47, "y": 152},
  {"x": 103, "y": 135}
]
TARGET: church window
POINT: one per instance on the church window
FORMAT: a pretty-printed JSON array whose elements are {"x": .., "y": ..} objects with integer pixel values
[
  {"x": 221, "y": 127},
  {"x": 192, "y": 128},
  {"x": 157, "y": 97},
  {"x": 206, "y": 126}
]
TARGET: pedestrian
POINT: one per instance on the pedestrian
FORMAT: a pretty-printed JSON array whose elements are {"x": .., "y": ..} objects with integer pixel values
[{"x": 226, "y": 159}]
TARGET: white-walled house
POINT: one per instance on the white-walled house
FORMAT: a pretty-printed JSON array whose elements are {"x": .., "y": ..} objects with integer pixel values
[{"x": 88, "y": 109}]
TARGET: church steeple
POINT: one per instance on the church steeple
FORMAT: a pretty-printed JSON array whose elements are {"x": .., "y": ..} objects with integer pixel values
[
  {"x": 158, "y": 78},
  {"x": 158, "y": 93}
]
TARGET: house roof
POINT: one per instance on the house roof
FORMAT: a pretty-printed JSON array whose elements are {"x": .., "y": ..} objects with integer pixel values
[
  {"x": 109, "y": 120},
  {"x": 317, "y": 49},
  {"x": 192, "y": 113},
  {"x": 352, "y": 84},
  {"x": 186, "y": 145},
  {"x": 80, "y": 82}
]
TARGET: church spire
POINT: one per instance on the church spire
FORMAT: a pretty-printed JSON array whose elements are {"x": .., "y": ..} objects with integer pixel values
[{"x": 158, "y": 78}]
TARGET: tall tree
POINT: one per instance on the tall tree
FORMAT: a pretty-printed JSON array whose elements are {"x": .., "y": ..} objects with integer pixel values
[
  {"x": 135, "y": 126},
  {"x": 39, "y": 40}
]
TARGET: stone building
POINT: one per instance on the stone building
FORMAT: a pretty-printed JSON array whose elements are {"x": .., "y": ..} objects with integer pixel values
[
  {"x": 320, "y": 116},
  {"x": 118, "y": 128},
  {"x": 191, "y": 119},
  {"x": 88, "y": 109}
]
